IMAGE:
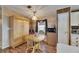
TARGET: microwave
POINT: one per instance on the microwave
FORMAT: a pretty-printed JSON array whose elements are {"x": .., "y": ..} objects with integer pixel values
[{"x": 75, "y": 29}]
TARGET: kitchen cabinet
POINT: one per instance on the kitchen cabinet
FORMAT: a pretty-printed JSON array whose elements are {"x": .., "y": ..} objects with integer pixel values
[
  {"x": 75, "y": 18},
  {"x": 75, "y": 28}
]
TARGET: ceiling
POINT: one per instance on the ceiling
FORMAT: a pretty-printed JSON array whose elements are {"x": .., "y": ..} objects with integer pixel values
[{"x": 42, "y": 10}]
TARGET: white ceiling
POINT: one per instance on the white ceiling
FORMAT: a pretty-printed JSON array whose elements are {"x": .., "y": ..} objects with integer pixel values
[{"x": 42, "y": 10}]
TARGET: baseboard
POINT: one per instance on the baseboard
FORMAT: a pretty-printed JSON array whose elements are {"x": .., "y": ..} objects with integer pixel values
[{"x": 5, "y": 47}]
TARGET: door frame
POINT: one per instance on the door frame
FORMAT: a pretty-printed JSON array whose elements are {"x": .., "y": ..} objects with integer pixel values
[
  {"x": 45, "y": 27},
  {"x": 63, "y": 10}
]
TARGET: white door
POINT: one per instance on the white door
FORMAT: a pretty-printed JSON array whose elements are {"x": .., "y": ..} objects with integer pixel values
[
  {"x": 63, "y": 28},
  {"x": 5, "y": 32}
]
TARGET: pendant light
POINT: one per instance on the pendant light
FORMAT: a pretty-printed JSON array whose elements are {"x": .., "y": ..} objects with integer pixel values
[{"x": 34, "y": 17}]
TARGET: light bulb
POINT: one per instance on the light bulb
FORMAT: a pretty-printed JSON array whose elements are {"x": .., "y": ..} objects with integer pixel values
[{"x": 34, "y": 18}]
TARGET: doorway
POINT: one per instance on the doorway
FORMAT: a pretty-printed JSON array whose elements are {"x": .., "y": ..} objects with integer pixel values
[{"x": 41, "y": 26}]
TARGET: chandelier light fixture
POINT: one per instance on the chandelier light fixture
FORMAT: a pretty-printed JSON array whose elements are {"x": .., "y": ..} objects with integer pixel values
[
  {"x": 34, "y": 17},
  {"x": 34, "y": 11}
]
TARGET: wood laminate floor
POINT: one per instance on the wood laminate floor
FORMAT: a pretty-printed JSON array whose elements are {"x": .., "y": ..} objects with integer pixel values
[{"x": 22, "y": 49}]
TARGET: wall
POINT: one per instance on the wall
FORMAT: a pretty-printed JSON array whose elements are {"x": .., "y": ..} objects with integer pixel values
[
  {"x": 51, "y": 21},
  {"x": 0, "y": 27},
  {"x": 0, "y": 33}
]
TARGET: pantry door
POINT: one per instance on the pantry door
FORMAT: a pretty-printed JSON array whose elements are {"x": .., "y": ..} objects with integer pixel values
[{"x": 63, "y": 16}]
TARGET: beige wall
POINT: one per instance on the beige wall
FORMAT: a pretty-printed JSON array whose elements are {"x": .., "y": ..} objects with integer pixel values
[
  {"x": 51, "y": 21},
  {"x": 0, "y": 27}
]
